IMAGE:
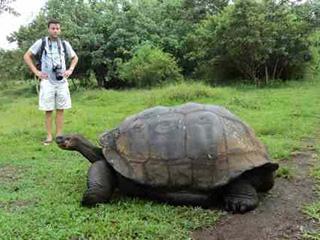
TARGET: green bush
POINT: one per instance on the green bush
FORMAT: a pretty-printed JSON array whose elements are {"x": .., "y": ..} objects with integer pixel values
[
  {"x": 259, "y": 40},
  {"x": 148, "y": 67},
  {"x": 5, "y": 84},
  {"x": 181, "y": 93}
]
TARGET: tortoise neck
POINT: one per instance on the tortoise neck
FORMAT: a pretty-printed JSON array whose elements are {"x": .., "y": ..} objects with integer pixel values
[{"x": 89, "y": 151}]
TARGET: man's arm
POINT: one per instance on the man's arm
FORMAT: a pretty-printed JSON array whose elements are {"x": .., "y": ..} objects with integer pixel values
[
  {"x": 27, "y": 58},
  {"x": 73, "y": 64}
]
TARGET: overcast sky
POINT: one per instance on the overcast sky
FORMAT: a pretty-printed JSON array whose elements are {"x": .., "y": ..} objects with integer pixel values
[{"x": 9, "y": 23}]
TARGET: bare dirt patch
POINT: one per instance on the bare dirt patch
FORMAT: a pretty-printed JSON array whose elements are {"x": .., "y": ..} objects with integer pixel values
[
  {"x": 8, "y": 173},
  {"x": 17, "y": 204},
  {"x": 279, "y": 215}
]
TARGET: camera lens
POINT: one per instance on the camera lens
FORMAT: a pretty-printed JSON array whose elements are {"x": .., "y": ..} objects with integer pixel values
[{"x": 59, "y": 77}]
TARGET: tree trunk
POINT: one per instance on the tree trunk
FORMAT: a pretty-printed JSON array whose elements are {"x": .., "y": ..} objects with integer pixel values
[
  {"x": 267, "y": 74},
  {"x": 101, "y": 73},
  {"x": 275, "y": 69}
]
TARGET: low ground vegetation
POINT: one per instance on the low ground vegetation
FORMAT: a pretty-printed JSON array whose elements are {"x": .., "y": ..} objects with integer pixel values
[{"x": 41, "y": 186}]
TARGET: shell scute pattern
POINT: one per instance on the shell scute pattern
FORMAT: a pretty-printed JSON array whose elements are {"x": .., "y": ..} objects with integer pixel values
[{"x": 192, "y": 145}]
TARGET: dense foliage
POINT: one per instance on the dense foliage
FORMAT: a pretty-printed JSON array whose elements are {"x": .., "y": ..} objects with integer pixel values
[
  {"x": 213, "y": 40},
  {"x": 148, "y": 67},
  {"x": 255, "y": 40}
]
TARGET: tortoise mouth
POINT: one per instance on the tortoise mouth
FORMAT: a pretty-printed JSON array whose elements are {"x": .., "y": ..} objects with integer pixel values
[
  {"x": 63, "y": 142},
  {"x": 69, "y": 141},
  {"x": 59, "y": 139}
]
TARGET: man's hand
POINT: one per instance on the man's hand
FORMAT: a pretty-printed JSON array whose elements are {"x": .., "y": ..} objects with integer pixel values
[
  {"x": 67, "y": 73},
  {"x": 27, "y": 58},
  {"x": 41, "y": 75}
]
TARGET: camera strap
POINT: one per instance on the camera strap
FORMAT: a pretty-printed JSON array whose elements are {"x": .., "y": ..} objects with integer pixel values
[
  {"x": 59, "y": 50},
  {"x": 42, "y": 50}
]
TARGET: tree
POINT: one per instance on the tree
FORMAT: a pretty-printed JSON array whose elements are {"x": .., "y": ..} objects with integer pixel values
[
  {"x": 253, "y": 39},
  {"x": 259, "y": 39},
  {"x": 11, "y": 66},
  {"x": 5, "y": 7},
  {"x": 104, "y": 31}
]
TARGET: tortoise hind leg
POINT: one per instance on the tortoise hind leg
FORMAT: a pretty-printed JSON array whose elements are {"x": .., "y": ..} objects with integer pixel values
[
  {"x": 101, "y": 183},
  {"x": 240, "y": 196}
]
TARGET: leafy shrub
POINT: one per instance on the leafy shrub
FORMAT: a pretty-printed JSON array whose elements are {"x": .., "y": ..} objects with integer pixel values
[
  {"x": 259, "y": 40},
  {"x": 181, "y": 93},
  {"x": 149, "y": 67},
  {"x": 5, "y": 84}
]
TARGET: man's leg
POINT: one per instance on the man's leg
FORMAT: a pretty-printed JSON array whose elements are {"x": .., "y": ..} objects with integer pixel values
[
  {"x": 48, "y": 122},
  {"x": 59, "y": 122},
  {"x": 63, "y": 101},
  {"x": 46, "y": 103}
]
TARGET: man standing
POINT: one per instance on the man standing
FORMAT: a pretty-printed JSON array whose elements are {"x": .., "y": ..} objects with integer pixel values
[{"x": 54, "y": 87}]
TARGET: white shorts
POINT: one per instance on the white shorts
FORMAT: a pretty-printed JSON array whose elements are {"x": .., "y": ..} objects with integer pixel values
[{"x": 54, "y": 96}]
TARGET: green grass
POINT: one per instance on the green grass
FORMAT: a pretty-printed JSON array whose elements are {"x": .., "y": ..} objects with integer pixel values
[
  {"x": 285, "y": 172},
  {"x": 41, "y": 186},
  {"x": 313, "y": 211}
]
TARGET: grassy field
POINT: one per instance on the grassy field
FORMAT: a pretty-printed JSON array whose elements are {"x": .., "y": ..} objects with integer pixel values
[{"x": 41, "y": 186}]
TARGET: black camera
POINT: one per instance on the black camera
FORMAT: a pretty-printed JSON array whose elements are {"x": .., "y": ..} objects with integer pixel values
[{"x": 57, "y": 69}]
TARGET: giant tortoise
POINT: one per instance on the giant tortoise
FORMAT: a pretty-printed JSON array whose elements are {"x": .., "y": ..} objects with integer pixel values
[{"x": 188, "y": 154}]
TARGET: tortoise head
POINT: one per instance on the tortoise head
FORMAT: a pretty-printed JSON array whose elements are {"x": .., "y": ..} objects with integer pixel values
[{"x": 69, "y": 141}]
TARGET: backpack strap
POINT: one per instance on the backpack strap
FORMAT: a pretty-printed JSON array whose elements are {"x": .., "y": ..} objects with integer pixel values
[
  {"x": 43, "y": 47},
  {"x": 38, "y": 56},
  {"x": 67, "y": 58},
  {"x": 64, "y": 46}
]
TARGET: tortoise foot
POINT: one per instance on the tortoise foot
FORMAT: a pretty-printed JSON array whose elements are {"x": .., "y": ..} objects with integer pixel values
[
  {"x": 101, "y": 184},
  {"x": 94, "y": 196},
  {"x": 240, "y": 197}
]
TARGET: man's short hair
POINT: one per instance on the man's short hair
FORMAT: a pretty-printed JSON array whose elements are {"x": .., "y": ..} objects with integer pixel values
[{"x": 53, "y": 21}]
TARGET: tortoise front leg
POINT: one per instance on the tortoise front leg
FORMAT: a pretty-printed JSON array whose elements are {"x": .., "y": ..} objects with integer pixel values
[
  {"x": 240, "y": 196},
  {"x": 101, "y": 183}
]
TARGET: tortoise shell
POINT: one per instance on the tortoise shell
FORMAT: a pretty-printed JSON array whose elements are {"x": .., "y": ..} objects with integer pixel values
[{"x": 189, "y": 146}]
